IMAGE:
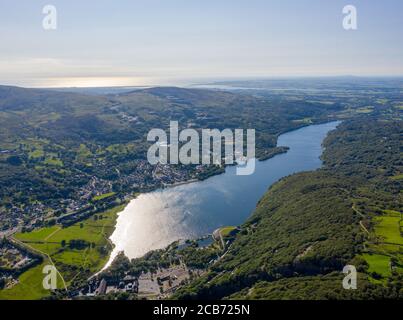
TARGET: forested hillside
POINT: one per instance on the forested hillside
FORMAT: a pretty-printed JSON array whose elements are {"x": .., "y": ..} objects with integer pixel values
[
  {"x": 309, "y": 225},
  {"x": 58, "y": 150}
]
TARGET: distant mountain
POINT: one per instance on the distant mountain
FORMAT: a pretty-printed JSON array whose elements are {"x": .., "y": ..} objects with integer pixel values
[
  {"x": 98, "y": 90},
  {"x": 40, "y": 100},
  {"x": 343, "y": 83}
]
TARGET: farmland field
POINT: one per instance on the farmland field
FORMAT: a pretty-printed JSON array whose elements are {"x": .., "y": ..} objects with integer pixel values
[
  {"x": 378, "y": 263},
  {"x": 55, "y": 241},
  {"x": 29, "y": 286},
  {"x": 72, "y": 262},
  {"x": 388, "y": 228},
  {"x": 387, "y": 245}
]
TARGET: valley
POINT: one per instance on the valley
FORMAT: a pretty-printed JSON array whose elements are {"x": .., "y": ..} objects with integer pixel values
[{"x": 70, "y": 162}]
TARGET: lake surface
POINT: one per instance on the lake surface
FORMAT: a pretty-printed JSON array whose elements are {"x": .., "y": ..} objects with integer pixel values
[{"x": 156, "y": 219}]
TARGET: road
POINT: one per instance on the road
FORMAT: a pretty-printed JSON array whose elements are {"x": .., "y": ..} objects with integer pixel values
[
  {"x": 9, "y": 233},
  {"x": 363, "y": 216},
  {"x": 43, "y": 254}
]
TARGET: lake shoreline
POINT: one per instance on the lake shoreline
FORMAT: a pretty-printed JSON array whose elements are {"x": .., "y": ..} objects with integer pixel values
[{"x": 193, "y": 181}]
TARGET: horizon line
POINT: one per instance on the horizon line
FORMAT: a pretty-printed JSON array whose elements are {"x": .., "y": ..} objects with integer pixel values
[{"x": 209, "y": 81}]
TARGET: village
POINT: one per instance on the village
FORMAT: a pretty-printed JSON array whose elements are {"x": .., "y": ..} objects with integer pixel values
[
  {"x": 161, "y": 282},
  {"x": 148, "y": 285},
  {"x": 14, "y": 260},
  {"x": 97, "y": 193}
]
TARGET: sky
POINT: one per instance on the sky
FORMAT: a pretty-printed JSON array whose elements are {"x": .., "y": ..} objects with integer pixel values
[{"x": 161, "y": 42}]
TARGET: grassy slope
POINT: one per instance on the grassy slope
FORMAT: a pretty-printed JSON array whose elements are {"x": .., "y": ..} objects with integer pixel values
[
  {"x": 29, "y": 286},
  {"x": 384, "y": 244},
  {"x": 388, "y": 227},
  {"x": 72, "y": 264}
]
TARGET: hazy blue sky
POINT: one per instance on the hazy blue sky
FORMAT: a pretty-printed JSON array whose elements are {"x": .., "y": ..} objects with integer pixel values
[{"x": 138, "y": 42}]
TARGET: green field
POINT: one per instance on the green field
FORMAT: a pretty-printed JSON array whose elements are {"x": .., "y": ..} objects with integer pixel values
[
  {"x": 53, "y": 162},
  {"x": 388, "y": 228},
  {"x": 397, "y": 177},
  {"x": 103, "y": 196},
  {"x": 388, "y": 244},
  {"x": 93, "y": 230},
  {"x": 83, "y": 152},
  {"x": 29, "y": 286},
  {"x": 378, "y": 263},
  {"x": 37, "y": 153},
  {"x": 368, "y": 109},
  {"x": 226, "y": 231},
  {"x": 305, "y": 121},
  {"x": 72, "y": 263}
]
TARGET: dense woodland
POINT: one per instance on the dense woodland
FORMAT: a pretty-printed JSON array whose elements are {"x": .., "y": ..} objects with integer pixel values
[{"x": 305, "y": 230}]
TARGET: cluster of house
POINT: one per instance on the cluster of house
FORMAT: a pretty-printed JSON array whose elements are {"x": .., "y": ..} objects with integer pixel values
[
  {"x": 148, "y": 285},
  {"x": 14, "y": 216},
  {"x": 140, "y": 177},
  {"x": 124, "y": 116},
  {"x": 13, "y": 258},
  {"x": 93, "y": 188},
  {"x": 147, "y": 176},
  {"x": 99, "y": 287},
  {"x": 13, "y": 261},
  {"x": 167, "y": 174},
  {"x": 144, "y": 177},
  {"x": 10, "y": 218}
]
